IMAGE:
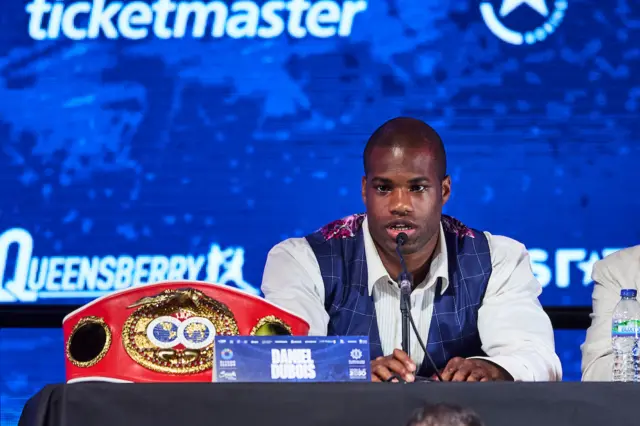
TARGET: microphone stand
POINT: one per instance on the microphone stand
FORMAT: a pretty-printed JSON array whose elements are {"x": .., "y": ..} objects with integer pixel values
[{"x": 404, "y": 279}]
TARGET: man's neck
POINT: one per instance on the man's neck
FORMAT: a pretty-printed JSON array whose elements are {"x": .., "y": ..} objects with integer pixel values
[{"x": 418, "y": 263}]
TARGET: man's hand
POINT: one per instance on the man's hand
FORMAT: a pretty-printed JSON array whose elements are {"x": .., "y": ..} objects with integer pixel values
[
  {"x": 382, "y": 368},
  {"x": 473, "y": 370}
]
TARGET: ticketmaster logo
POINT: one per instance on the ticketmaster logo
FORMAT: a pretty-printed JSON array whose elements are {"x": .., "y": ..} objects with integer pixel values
[{"x": 165, "y": 19}]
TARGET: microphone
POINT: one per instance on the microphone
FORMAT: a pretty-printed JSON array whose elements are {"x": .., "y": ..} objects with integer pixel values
[
  {"x": 405, "y": 292},
  {"x": 404, "y": 279}
]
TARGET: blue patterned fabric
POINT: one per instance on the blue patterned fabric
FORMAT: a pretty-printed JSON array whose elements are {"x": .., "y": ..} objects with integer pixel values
[{"x": 339, "y": 249}]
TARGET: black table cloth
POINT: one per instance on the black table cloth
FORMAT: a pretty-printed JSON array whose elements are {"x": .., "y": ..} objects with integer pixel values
[{"x": 384, "y": 404}]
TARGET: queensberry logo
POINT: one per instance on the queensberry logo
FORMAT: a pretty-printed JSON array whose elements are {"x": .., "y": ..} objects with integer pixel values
[
  {"x": 166, "y": 19},
  {"x": 28, "y": 278}
]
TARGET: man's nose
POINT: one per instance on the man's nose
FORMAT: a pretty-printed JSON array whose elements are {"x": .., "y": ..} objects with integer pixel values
[{"x": 400, "y": 202}]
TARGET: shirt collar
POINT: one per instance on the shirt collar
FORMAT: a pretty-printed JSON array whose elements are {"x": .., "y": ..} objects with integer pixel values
[{"x": 377, "y": 273}]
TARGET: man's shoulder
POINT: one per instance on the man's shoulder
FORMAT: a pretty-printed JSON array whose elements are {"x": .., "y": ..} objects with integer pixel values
[
  {"x": 451, "y": 225},
  {"x": 302, "y": 248},
  {"x": 629, "y": 254},
  {"x": 346, "y": 227},
  {"x": 509, "y": 244},
  {"x": 289, "y": 250},
  {"x": 622, "y": 265},
  {"x": 291, "y": 246},
  {"x": 500, "y": 244},
  {"x": 292, "y": 253},
  {"x": 505, "y": 251}
]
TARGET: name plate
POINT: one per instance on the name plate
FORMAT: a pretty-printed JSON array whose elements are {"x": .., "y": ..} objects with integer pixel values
[{"x": 291, "y": 359}]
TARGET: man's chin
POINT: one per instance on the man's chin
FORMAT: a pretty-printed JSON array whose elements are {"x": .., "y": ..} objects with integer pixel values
[
  {"x": 389, "y": 243},
  {"x": 408, "y": 248}
]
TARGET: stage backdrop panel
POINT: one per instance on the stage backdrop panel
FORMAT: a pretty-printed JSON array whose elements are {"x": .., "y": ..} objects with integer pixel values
[{"x": 144, "y": 141}]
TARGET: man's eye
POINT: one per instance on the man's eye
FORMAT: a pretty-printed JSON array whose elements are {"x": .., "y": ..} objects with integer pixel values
[
  {"x": 383, "y": 188},
  {"x": 418, "y": 188}
]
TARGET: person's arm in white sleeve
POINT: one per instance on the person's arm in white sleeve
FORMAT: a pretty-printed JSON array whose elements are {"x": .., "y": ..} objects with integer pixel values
[
  {"x": 610, "y": 275},
  {"x": 515, "y": 331},
  {"x": 292, "y": 280}
]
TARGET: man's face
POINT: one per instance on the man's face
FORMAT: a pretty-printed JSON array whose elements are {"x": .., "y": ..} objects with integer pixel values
[{"x": 403, "y": 193}]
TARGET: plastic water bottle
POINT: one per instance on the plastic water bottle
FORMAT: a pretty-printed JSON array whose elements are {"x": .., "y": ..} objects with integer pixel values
[{"x": 625, "y": 333}]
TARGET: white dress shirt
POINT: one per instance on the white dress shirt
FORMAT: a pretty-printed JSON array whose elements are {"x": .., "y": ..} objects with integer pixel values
[{"x": 515, "y": 331}]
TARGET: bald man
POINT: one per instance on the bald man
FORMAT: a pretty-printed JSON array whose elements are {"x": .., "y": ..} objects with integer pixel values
[{"x": 474, "y": 296}]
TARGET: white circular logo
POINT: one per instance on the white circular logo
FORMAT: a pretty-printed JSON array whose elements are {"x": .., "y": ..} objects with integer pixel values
[
  {"x": 197, "y": 333},
  {"x": 163, "y": 332},
  {"x": 552, "y": 17}
]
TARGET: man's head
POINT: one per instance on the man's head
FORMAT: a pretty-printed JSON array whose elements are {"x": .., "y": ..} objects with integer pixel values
[
  {"x": 444, "y": 415},
  {"x": 405, "y": 183}
]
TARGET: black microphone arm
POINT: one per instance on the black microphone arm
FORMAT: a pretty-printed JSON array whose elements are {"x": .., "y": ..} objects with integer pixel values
[{"x": 404, "y": 279}]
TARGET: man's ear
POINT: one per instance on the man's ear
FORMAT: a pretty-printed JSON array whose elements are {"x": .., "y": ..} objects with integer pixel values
[
  {"x": 446, "y": 189},
  {"x": 364, "y": 190}
]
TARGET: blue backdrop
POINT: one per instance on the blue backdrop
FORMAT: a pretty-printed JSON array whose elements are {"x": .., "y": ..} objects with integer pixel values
[{"x": 146, "y": 140}]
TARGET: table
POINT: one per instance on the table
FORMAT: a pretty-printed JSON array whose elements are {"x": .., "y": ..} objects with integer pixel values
[{"x": 310, "y": 404}]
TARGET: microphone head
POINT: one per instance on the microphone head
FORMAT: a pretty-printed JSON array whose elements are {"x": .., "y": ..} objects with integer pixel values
[
  {"x": 401, "y": 239},
  {"x": 405, "y": 284}
]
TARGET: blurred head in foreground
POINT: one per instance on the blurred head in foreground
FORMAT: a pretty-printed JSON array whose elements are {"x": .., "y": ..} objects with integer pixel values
[{"x": 444, "y": 415}]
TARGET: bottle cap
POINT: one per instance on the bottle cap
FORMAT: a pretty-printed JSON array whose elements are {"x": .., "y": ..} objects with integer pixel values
[{"x": 627, "y": 292}]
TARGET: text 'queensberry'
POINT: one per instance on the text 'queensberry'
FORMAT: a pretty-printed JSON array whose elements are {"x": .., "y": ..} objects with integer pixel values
[
  {"x": 165, "y": 19},
  {"x": 292, "y": 364}
]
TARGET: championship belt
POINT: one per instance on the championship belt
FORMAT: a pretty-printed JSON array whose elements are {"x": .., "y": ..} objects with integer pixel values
[{"x": 165, "y": 332}]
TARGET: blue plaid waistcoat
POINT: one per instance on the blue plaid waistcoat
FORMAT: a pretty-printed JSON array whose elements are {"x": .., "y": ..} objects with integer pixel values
[{"x": 339, "y": 249}]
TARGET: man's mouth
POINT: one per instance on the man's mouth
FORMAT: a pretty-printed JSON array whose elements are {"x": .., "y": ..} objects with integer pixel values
[{"x": 401, "y": 226}]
